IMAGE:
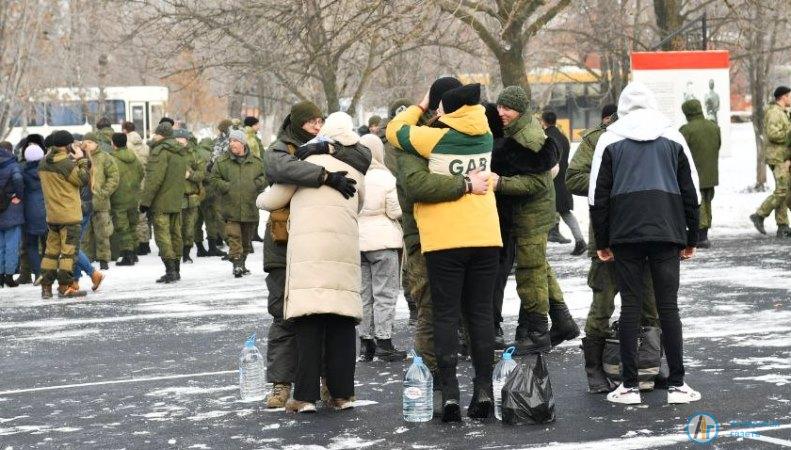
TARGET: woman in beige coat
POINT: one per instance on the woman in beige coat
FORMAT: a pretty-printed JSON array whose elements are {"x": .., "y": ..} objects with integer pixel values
[{"x": 322, "y": 295}]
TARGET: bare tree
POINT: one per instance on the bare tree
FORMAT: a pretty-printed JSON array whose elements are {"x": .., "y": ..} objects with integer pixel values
[{"x": 506, "y": 27}]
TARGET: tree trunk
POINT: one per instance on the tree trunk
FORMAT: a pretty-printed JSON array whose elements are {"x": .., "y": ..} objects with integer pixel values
[
  {"x": 512, "y": 68},
  {"x": 757, "y": 89},
  {"x": 668, "y": 20}
]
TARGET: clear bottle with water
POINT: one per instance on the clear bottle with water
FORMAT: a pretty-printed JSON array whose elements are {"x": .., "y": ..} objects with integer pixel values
[
  {"x": 418, "y": 392},
  {"x": 503, "y": 368},
  {"x": 252, "y": 375}
]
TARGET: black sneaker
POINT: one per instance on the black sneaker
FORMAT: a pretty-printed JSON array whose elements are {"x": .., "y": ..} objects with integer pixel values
[{"x": 579, "y": 248}]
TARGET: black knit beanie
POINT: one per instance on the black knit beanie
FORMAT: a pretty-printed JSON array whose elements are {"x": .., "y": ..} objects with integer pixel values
[
  {"x": 439, "y": 88},
  {"x": 461, "y": 96},
  {"x": 781, "y": 91},
  {"x": 249, "y": 121},
  {"x": 62, "y": 138}
]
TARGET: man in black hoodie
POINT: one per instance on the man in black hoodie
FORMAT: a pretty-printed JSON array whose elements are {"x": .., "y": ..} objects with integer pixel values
[{"x": 644, "y": 209}]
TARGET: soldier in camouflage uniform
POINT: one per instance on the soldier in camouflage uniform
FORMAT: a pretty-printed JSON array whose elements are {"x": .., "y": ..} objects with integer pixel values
[
  {"x": 162, "y": 196},
  {"x": 777, "y": 154},
  {"x": 207, "y": 211},
  {"x": 601, "y": 276},
  {"x": 528, "y": 181},
  {"x": 282, "y": 166},
  {"x": 703, "y": 138},
  {"x": 104, "y": 181},
  {"x": 124, "y": 200},
  {"x": 193, "y": 182}
]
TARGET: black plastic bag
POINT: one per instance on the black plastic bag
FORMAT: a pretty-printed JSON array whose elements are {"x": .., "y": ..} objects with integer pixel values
[
  {"x": 649, "y": 356},
  {"x": 527, "y": 394}
]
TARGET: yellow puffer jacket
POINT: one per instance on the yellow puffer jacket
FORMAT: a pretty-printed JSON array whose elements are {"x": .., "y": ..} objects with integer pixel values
[{"x": 463, "y": 146}]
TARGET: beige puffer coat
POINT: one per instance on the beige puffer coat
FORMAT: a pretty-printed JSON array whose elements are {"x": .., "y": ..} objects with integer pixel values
[
  {"x": 135, "y": 143},
  {"x": 379, "y": 227},
  {"x": 323, "y": 257}
]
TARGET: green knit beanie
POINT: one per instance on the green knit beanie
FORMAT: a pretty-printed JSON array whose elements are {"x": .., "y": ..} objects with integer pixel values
[
  {"x": 514, "y": 97},
  {"x": 165, "y": 130},
  {"x": 304, "y": 112}
]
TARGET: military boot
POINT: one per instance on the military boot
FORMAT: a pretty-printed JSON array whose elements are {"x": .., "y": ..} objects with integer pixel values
[
  {"x": 703, "y": 238},
  {"x": 555, "y": 236},
  {"x": 9, "y": 281},
  {"x": 238, "y": 271},
  {"x": 185, "y": 254},
  {"x": 532, "y": 335},
  {"x": 168, "y": 276},
  {"x": 214, "y": 250},
  {"x": 579, "y": 248},
  {"x": 46, "y": 291},
  {"x": 218, "y": 241},
  {"x": 783, "y": 231},
  {"x": 104, "y": 265},
  {"x": 758, "y": 223},
  {"x": 245, "y": 270},
  {"x": 279, "y": 395},
  {"x": 143, "y": 248},
  {"x": 202, "y": 253},
  {"x": 592, "y": 350},
  {"x": 25, "y": 277},
  {"x": 127, "y": 259},
  {"x": 563, "y": 326},
  {"x": 386, "y": 352},
  {"x": 451, "y": 411},
  {"x": 176, "y": 270}
]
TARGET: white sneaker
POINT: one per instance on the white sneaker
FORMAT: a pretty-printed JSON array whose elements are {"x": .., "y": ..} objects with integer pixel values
[
  {"x": 682, "y": 394},
  {"x": 624, "y": 395}
]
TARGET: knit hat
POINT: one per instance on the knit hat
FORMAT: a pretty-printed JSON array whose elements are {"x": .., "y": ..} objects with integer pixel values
[
  {"x": 92, "y": 136},
  {"x": 224, "y": 126},
  {"x": 374, "y": 121},
  {"x": 304, "y": 112},
  {"x": 34, "y": 153},
  {"x": 377, "y": 148},
  {"x": 249, "y": 121},
  {"x": 608, "y": 110},
  {"x": 164, "y": 129},
  {"x": 339, "y": 127},
  {"x": 461, "y": 96},
  {"x": 397, "y": 106},
  {"x": 62, "y": 138},
  {"x": 238, "y": 135},
  {"x": 119, "y": 140},
  {"x": 438, "y": 88},
  {"x": 781, "y": 91},
  {"x": 514, "y": 97},
  {"x": 167, "y": 120}
]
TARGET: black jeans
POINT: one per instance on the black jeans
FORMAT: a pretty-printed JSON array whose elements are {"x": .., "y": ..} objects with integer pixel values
[
  {"x": 329, "y": 338},
  {"x": 507, "y": 255},
  {"x": 462, "y": 281},
  {"x": 663, "y": 262}
]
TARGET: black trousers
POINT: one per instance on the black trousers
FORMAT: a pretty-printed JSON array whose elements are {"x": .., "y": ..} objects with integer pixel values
[
  {"x": 664, "y": 263},
  {"x": 507, "y": 255},
  {"x": 330, "y": 339},
  {"x": 462, "y": 281}
]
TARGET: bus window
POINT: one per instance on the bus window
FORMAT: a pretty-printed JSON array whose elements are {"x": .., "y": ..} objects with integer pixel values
[
  {"x": 157, "y": 112},
  {"x": 36, "y": 115},
  {"x": 65, "y": 113},
  {"x": 115, "y": 110},
  {"x": 139, "y": 118}
]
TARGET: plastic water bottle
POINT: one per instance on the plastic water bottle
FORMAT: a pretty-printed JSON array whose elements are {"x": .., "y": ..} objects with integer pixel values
[
  {"x": 252, "y": 379},
  {"x": 418, "y": 392},
  {"x": 501, "y": 371}
]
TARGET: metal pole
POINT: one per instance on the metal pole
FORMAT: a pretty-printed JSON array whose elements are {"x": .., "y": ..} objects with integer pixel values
[{"x": 705, "y": 32}]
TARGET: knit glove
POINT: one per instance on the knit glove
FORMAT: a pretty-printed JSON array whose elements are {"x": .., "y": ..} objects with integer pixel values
[
  {"x": 341, "y": 183},
  {"x": 316, "y": 148}
]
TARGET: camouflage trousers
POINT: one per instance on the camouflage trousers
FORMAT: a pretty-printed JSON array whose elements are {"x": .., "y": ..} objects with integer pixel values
[
  {"x": 189, "y": 217},
  {"x": 706, "y": 196},
  {"x": 240, "y": 238},
  {"x": 63, "y": 243},
  {"x": 167, "y": 234},
  {"x": 96, "y": 241},
  {"x": 779, "y": 200},
  {"x": 209, "y": 215},
  {"x": 416, "y": 276},
  {"x": 536, "y": 283},
  {"x": 601, "y": 279},
  {"x": 125, "y": 224},
  {"x": 143, "y": 230}
]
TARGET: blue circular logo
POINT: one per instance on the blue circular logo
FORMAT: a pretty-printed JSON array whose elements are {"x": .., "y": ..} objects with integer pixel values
[{"x": 702, "y": 428}]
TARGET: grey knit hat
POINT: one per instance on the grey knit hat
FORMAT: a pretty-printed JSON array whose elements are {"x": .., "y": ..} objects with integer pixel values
[
  {"x": 238, "y": 135},
  {"x": 514, "y": 97}
]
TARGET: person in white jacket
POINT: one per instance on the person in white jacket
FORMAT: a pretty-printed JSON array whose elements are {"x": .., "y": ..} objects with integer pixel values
[{"x": 380, "y": 239}]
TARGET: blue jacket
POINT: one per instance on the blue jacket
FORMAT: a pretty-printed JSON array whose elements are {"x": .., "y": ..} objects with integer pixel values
[
  {"x": 35, "y": 212},
  {"x": 11, "y": 184}
]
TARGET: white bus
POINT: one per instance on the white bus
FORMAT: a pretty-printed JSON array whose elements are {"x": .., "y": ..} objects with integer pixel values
[{"x": 76, "y": 110}]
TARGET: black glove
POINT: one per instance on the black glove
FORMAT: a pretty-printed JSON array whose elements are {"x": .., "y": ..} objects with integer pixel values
[
  {"x": 316, "y": 148},
  {"x": 340, "y": 182},
  {"x": 143, "y": 209}
]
